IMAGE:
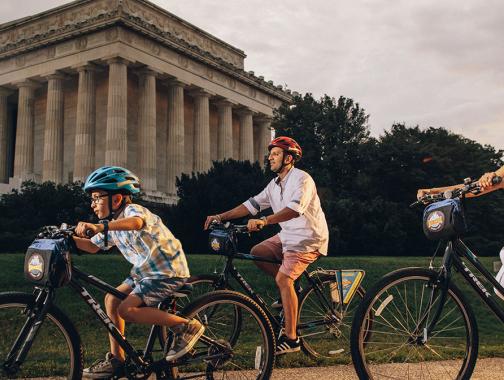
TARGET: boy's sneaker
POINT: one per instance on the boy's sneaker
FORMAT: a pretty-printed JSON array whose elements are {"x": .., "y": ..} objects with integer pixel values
[
  {"x": 104, "y": 368},
  {"x": 286, "y": 345},
  {"x": 186, "y": 336}
]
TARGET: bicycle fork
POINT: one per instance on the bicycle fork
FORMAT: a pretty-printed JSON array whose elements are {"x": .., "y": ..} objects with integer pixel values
[
  {"x": 35, "y": 317},
  {"x": 441, "y": 284}
]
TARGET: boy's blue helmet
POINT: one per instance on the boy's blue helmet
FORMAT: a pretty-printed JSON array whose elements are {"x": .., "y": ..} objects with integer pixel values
[{"x": 113, "y": 179}]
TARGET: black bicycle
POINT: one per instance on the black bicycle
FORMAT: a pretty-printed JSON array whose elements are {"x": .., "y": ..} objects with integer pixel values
[
  {"x": 326, "y": 303},
  {"x": 37, "y": 339},
  {"x": 423, "y": 326}
]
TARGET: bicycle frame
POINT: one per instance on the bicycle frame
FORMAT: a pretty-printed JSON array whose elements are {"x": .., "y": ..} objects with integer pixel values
[
  {"x": 43, "y": 303},
  {"x": 231, "y": 271},
  {"x": 455, "y": 253}
]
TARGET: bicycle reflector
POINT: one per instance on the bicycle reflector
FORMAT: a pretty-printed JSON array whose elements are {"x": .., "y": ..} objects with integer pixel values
[
  {"x": 444, "y": 220},
  {"x": 47, "y": 262},
  {"x": 350, "y": 280}
]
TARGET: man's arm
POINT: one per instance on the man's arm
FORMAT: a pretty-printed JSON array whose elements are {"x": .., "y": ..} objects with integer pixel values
[
  {"x": 238, "y": 212},
  {"x": 283, "y": 215}
]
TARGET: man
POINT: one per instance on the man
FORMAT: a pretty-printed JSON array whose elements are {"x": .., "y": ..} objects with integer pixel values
[{"x": 304, "y": 236}]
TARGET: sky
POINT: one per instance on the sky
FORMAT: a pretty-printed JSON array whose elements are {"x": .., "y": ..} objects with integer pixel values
[{"x": 425, "y": 62}]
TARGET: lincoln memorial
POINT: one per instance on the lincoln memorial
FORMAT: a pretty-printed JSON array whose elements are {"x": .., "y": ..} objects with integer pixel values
[{"x": 124, "y": 82}]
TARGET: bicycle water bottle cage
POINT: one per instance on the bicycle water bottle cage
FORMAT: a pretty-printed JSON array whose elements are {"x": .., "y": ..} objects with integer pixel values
[
  {"x": 444, "y": 220},
  {"x": 47, "y": 263},
  {"x": 220, "y": 241}
]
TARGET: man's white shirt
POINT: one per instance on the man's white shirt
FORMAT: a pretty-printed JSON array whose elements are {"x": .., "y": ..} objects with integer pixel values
[{"x": 306, "y": 233}]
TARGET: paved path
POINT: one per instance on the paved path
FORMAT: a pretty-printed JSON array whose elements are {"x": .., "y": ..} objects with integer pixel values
[{"x": 486, "y": 369}]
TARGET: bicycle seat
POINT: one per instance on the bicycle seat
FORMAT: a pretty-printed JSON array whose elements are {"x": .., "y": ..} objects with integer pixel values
[{"x": 183, "y": 291}]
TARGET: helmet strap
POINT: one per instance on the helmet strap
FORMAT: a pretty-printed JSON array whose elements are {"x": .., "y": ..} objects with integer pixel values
[{"x": 114, "y": 214}]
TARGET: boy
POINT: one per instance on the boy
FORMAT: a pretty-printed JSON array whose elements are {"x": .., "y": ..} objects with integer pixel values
[{"x": 159, "y": 264}]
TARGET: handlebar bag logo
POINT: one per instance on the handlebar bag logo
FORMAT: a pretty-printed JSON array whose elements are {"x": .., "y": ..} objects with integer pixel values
[
  {"x": 36, "y": 267},
  {"x": 435, "y": 221}
]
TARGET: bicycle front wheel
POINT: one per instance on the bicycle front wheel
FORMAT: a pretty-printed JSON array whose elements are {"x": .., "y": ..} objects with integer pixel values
[
  {"x": 399, "y": 344},
  {"x": 324, "y": 330},
  {"x": 250, "y": 356},
  {"x": 56, "y": 350}
]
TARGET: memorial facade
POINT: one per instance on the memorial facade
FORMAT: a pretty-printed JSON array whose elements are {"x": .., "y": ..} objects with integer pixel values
[{"x": 124, "y": 82}]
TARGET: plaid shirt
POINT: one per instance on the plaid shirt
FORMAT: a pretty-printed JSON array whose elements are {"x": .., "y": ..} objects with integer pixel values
[{"x": 154, "y": 251}]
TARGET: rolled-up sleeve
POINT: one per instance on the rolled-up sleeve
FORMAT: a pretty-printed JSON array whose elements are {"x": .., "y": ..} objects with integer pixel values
[
  {"x": 302, "y": 194},
  {"x": 99, "y": 241},
  {"x": 258, "y": 203}
]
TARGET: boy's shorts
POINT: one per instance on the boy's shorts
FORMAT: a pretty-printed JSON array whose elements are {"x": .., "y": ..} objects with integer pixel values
[{"x": 154, "y": 291}]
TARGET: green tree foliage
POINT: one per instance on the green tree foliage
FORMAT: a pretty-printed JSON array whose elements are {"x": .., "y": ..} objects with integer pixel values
[{"x": 23, "y": 212}]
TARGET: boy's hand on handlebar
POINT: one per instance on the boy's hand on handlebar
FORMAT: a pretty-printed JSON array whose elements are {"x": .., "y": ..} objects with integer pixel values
[
  {"x": 83, "y": 229},
  {"x": 255, "y": 225}
]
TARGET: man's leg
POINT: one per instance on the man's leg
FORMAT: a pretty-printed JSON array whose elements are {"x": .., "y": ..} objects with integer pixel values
[
  {"x": 293, "y": 265},
  {"x": 269, "y": 249}
]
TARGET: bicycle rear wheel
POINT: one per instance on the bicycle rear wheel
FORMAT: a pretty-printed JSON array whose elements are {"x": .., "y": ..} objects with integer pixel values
[
  {"x": 325, "y": 335},
  {"x": 56, "y": 350},
  {"x": 250, "y": 356},
  {"x": 403, "y": 304}
]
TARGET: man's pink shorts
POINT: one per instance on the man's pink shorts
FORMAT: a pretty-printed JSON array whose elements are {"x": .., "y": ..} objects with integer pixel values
[{"x": 293, "y": 263}]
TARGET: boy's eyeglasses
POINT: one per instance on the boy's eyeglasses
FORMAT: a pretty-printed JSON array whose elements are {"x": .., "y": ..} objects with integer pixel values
[{"x": 97, "y": 199}]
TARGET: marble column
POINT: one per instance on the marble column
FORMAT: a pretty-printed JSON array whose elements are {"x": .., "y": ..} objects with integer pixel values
[
  {"x": 246, "y": 136},
  {"x": 116, "y": 149},
  {"x": 52, "y": 164},
  {"x": 146, "y": 148},
  {"x": 4, "y": 136},
  {"x": 84, "y": 155},
  {"x": 175, "y": 158},
  {"x": 23, "y": 158},
  {"x": 201, "y": 131},
  {"x": 264, "y": 137},
  {"x": 225, "y": 130}
]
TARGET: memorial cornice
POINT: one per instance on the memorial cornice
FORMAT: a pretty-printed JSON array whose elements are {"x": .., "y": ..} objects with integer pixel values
[{"x": 76, "y": 19}]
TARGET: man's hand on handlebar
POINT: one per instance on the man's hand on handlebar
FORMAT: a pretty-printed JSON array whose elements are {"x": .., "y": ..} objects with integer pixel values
[
  {"x": 486, "y": 180},
  {"x": 210, "y": 219},
  {"x": 255, "y": 225}
]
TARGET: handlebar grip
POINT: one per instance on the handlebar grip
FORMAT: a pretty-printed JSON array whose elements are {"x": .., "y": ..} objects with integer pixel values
[{"x": 496, "y": 180}]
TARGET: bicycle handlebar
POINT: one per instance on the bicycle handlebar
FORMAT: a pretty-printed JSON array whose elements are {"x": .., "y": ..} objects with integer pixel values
[
  {"x": 237, "y": 228},
  {"x": 469, "y": 186}
]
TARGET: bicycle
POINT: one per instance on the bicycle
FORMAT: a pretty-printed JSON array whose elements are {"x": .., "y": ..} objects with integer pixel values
[
  {"x": 325, "y": 304},
  {"x": 37, "y": 339},
  {"x": 423, "y": 326}
]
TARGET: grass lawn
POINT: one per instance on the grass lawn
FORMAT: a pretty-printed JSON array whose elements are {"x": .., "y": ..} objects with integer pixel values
[{"x": 113, "y": 269}]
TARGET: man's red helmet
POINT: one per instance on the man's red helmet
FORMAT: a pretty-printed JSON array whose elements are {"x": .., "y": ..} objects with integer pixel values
[{"x": 289, "y": 145}]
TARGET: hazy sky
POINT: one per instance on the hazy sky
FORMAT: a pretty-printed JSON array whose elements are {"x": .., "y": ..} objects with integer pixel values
[{"x": 426, "y": 62}]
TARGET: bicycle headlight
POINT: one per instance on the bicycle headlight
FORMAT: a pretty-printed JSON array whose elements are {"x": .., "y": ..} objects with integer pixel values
[{"x": 36, "y": 266}]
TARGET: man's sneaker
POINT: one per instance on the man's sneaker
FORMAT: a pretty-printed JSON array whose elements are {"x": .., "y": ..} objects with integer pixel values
[
  {"x": 104, "y": 368},
  {"x": 186, "y": 336},
  {"x": 286, "y": 345}
]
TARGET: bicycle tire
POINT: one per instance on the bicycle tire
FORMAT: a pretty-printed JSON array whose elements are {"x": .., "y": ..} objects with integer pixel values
[
  {"x": 46, "y": 357},
  {"x": 253, "y": 354},
  {"x": 399, "y": 299},
  {"x": 331, "y": 340}
]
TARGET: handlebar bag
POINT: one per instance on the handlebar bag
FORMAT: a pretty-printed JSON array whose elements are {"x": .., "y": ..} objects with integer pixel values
[
  {"x": 444, "y": 220},
  {"x": 220, "y": 242},
  {"x": 47, "y": 263}
]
